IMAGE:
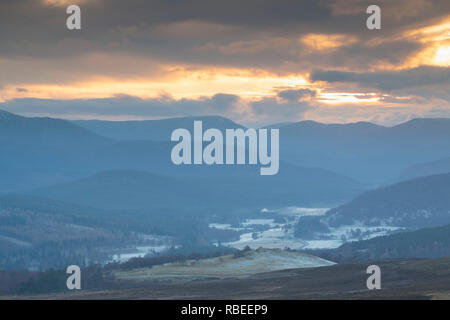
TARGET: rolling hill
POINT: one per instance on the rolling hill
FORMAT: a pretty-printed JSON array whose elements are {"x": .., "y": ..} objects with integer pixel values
[
  {"x": 131, "y": 189},
  {"x": 47, "y": 132},
  {"x": 426, "y": 169},
  {"x": 42, "y": 151},
  {"x": 365, "y": 151},
  {"x": 225, "y": 267},
  {"x": 417, "y": 203},
  {"x": 156, "y": 130},
  {"x": 422, "y": 243}
]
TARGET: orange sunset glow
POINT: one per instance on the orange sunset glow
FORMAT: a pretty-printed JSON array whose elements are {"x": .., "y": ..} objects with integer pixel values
[{"x": 337, "y": 59}]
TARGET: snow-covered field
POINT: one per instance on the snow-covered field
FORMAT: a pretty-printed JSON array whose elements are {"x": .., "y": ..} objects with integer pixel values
[
  {"x": 281, "y": 235},
  {"x": 272, "y": 238},
  {"x": 138, "y": 252},
  {"x": 275, "y": 235},
  {"x": 251, "y": 262},
  {"x": 151, "y": 244},
  {"x": 339, "y": 236}
]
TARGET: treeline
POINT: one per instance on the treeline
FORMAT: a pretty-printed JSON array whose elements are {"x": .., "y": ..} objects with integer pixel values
[
  {"x": 174, "y": 255},
  {"x": 39, "y": 234},
  {"x": 59, "y": 254},
  {"x": 23, "y": 282},
  {"x": 97, "y": 277},
  {"x": 422, "y": 243}
]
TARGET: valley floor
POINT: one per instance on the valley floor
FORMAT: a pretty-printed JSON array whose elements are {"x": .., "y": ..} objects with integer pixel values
[{"x": 400, "y": 279}]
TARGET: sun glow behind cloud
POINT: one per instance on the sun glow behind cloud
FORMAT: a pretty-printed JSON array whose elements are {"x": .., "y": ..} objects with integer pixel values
[
  {"x": 324, "y": 42},
  {"x": 194, "y": 56},
  {"x": 442, "y": 56},
  {"x": 179, "y": 83},
  {"x": 343, "y": 97},
  {"x": 436, "y": 41}
]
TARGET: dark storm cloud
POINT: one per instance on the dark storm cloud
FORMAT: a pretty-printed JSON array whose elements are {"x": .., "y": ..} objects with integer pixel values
[
  {"x": 176, "y": 31},
  {"x": 295, "y": 95},
  {"x": 257, "y": 112},
  {"x": 30, "y": 27},
  {"x": 283, "y": 110},
  {"x": 124, "y": 105},
  {"x": 389, "y": 80}
]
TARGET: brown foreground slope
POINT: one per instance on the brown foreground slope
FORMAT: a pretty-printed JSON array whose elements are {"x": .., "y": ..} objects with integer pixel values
[{"x": 401, "y": 279}]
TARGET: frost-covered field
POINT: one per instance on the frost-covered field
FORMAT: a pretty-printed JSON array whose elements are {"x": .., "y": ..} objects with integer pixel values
[
  {"x": 356, "y": 232},
  {"x": 251, "y": 262},
  {"x": 275, "y": 235},
  {"x": 272, "y": 238},
  {"x": 151, "y": 244},
  {"x": 281, "y": 235},
  {"x": 138, "y": 252}
]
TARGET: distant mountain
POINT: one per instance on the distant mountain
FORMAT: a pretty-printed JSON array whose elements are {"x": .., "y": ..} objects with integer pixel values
[
  {"x": 424, "y": 128},
  {"x": 38, "y": 152},
  {"x": 365, "y": 151},
  {"x": 423, "y": 243},
  {"x": 277, "y": 125},
  {"x": 157, "y": 130},
  {"x": 42, "y": 151},
  {"x": 119, "y": 189},
  {"x": 47, "y": 132},
  {"x": 426, "y": 169},
  {"x": 422, "y": 202}
]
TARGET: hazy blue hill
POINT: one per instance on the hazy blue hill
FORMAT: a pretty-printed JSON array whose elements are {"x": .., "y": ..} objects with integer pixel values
[
  {"x": 18, "y": 130},
  {"x": 157, "y": 130},
  {"x": 422, "y": 243},
  {"x": 365, "y": 151},
  {"x": 129, "y": 189},
  {"x": 38, "y": 152},
  {"x": 15, "y": 209},
  {"x": 414, "y": 203},
  {"x": 81, "y": 153},
  {"x": 42, "y": 151},
  {"x": 49, "y": 211},
  {"x": 426, "y": 169},
  {"x": 425, "y": 128},
  {"x": 119, "y": 189},
  {"x": 277, "y": 125}
]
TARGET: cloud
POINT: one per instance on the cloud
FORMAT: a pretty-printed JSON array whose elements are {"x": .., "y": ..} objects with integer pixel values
[
  {"x": 142, "y": 48},
  {"x": 254, "y": 113},
  {"x": 163, "y": 106},
  {"x": 177, "y": 31},
  {"x": 295, "y": 95},
  {"x": 258, "y": 112},
  {"x": 399, "y": 9},
  {"x": 387, "y": 116},
  {"x": 271, "y": 110},
  {"x": 389, "y": 80}
]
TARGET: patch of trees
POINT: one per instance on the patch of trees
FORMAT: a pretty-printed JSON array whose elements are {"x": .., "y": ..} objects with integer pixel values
[
  {"x": 174, "y": 255},
  {"x": 422, "y": 243},
  {"x": 97, "y": 277}
]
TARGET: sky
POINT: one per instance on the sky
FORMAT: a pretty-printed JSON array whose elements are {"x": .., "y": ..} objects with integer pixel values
[{"x": 256, "y": 62}]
